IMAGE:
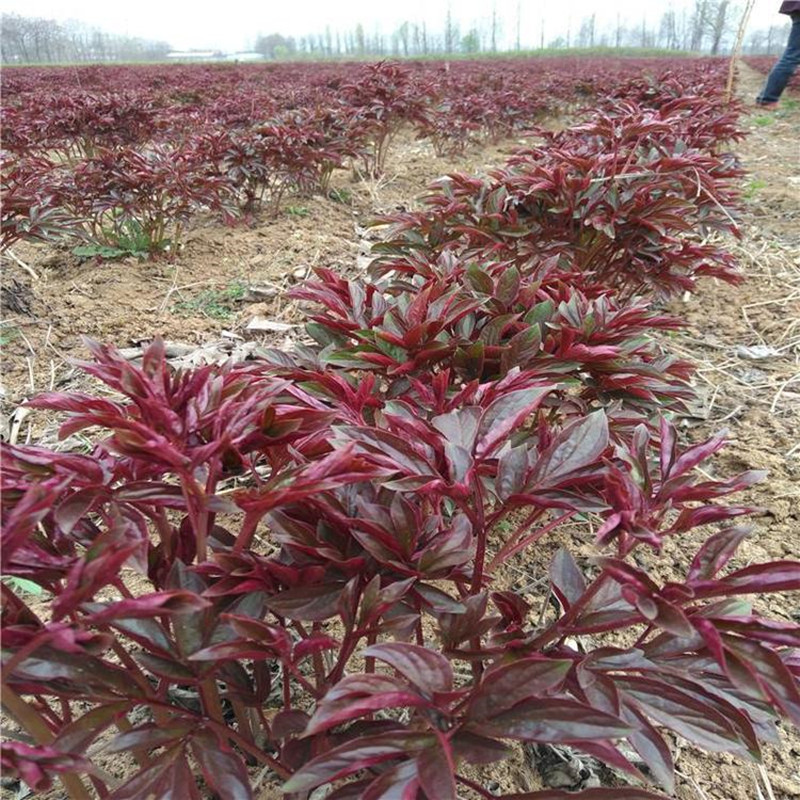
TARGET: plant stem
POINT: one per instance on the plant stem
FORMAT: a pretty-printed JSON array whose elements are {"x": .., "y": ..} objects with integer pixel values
[
  {"x": 212, "y": 705},
  {"x": 478, "y": 519},
  {"x": 226, "y": 732},
  {"x": 560, "y": 628},
  {"x": 243, "y": 717},
  {"x": 42, "y": 735},
  {"x": 512, "y": 547},
  {"x": 475, "y": 787}
]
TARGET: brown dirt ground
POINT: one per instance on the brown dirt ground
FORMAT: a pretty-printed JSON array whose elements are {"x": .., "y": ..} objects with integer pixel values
[{"x": 745, "y": 340}]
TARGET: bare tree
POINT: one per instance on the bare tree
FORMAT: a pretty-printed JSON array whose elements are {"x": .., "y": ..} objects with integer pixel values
[
  {"x": 449, "y": 32},
  {"x": 586, "y": 32},
  {"x": 31, "y": 40},
  {"x": 14, "y": 39},
  {"x": 719, "y": 24},
  {"x": 776, "y": 36},
  {"x": 403, "y": 34},
  {"x": 644, "y": 39},
  {"x": 700, "y": 17}
]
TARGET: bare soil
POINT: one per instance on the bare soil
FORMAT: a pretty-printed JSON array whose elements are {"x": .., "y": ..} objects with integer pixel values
[{"x": 745, "y": 340}]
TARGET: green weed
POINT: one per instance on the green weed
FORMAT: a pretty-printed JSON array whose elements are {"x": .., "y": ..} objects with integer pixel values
[
  {"x": 344, "y": 196},
  {"x": 752, "y": 188},
  {"x": 23, "y": 586},
  {"x": 7, "y": 335},
  {"x": 129, "y": 240},
  {"x": 213, "y": 303},
  {"x": 504, "y": 527}
]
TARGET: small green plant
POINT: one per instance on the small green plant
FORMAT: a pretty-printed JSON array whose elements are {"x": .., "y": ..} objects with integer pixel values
[
  {"x": 213, "y": 303},
  {"x": 128, "y": 239},
  {"x": 752, "y": 188},
  {"x": 297, "y": 211},
  {"x": 763, "y": 121},
  {"x": 23, "y": 585},
  {"x": 504, "y": 527},
  {"x": 344, "y": 196},
  {"x": 7, "y": 335}
]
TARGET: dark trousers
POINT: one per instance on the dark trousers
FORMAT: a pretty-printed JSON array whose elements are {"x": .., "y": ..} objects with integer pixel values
[{"x": 784, "y": 69}]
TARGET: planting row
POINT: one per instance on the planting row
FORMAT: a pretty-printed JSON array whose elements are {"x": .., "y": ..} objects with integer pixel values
[
  {"x": 325, "y": 535},
  {"x": 764, "y": 65},
  {"x": 127, "y": 170}
]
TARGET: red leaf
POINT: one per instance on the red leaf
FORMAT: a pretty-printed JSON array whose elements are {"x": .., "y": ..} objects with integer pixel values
[
  {"x": 506, "y": 414},
  {"x": 223, "y": 770},
  {"x": 568, "y": 581},
  {"x": 774, "y": 576},
  {"x": 579, "y": 445},
  {"x": 505, "y": 686},
  {"x": 651, "y": 747},
  {"x": 682, "y": 713},
  {"x": 354, "y": 756},
  {"x": 162, "y": 778},
  {"x": 716, "y": 551},
  {"x": 425, "y": 668},
  {"x": 552, "y": 720},
  {"x": 356, "y": 695},
  {"x": 311, "y": 603},
  {"x": 151, "y": 605},
  {"x": 435, "y": 770}
]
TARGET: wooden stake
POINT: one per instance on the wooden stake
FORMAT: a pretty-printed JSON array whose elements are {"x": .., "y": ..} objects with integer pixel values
[{"x": 737, "y": 49}]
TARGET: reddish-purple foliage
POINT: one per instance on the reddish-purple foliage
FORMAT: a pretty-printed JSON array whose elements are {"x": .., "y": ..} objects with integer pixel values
[
  {"x": 621, "y": 201},
  {"x": 382, "y": 512},
  {"x": 378, "y": 103},
  {"x": 316, "y": 536},
  {"x": 267, "y": 130},
  {"x": 259, "y": 165},
  {"x": 75, "y": 124},
  {"x": 31, "y": 208}
]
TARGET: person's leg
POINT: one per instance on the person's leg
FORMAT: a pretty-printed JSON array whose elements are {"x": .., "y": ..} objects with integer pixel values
[{"x": 782, "y": 72}]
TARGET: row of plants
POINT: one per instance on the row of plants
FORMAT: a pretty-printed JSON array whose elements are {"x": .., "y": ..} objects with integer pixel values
[
  {"x": 213, "y": 87},
  {"x": 764, "y": 65},
  {"x": 629, "y": 200},
  {"x": 91, "y": 167},
  {"x": 298, "y": 567}
]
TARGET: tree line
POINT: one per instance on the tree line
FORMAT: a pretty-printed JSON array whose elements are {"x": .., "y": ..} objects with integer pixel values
[
  {"x": 35, "y": 40},
  {"x": 706, "y": 26}
]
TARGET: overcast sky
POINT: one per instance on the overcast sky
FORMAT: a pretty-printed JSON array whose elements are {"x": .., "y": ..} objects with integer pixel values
[{"x": 234, "y": 24}]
